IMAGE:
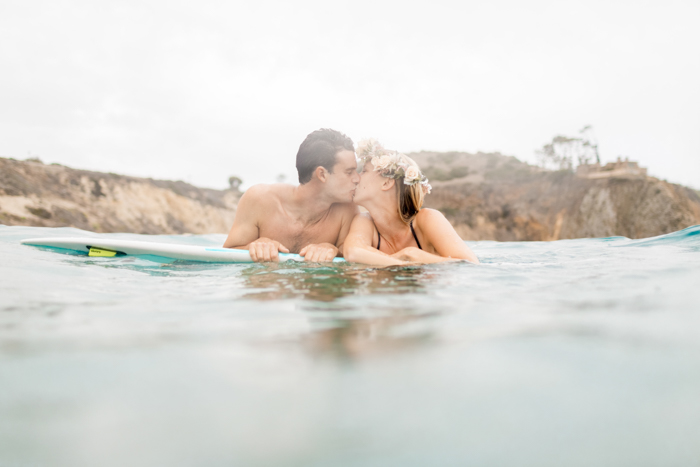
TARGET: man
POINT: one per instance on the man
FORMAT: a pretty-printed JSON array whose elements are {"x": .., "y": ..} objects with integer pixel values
[{"x": 311, "y": 219}]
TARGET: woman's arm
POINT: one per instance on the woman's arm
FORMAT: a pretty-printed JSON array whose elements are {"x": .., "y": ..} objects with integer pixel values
[
  {"x": 439, "y": 233},
  {"x": 348, "y": 214},
  {"x": 413, "y": 254},
  {"x": 358, "y": 248}
]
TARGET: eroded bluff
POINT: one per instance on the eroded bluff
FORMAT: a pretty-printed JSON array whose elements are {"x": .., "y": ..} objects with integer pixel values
[
  {"x": 485, "y": 196},
  {"x": 35, "y": 194},
  {"x": 496, "y": 197}
]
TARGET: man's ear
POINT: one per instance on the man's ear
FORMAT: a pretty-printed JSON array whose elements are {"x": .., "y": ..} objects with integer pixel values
[
  {"x": 388, "y": 184},
  {"x": 321, "y": 173}
]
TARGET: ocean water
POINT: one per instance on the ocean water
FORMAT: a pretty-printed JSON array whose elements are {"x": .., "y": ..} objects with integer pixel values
[{"x": 568, "y": 353}]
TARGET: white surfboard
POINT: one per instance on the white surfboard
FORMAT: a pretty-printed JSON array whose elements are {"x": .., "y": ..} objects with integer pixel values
[{"x": 108, "y": 247}]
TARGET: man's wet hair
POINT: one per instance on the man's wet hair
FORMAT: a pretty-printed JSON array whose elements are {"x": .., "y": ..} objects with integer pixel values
[{"x": 319, "y": 150}]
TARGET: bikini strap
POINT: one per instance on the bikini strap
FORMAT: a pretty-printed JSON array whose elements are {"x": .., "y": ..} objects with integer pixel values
[
  {"x": 414, "y": 235},
  {"x": 379, "y": 236}
]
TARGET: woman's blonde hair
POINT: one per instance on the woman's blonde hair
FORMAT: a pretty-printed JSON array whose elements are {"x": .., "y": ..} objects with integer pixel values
[
  {"x": 411, "y": 184},
  {"x": 410, "y": 199}
]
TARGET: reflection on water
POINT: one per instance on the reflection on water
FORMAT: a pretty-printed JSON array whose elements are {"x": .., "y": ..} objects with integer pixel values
[
  {"x": 357, "y": 338},
  {"x": 342, "y": 328},
  {"x": 327, "y": 284}
]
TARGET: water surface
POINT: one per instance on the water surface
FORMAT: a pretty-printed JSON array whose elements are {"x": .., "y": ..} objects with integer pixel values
[{"x": 577, "y": 352}]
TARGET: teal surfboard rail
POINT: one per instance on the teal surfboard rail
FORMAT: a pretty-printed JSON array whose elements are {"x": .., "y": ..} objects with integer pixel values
[{"x": 173, "y": 251}]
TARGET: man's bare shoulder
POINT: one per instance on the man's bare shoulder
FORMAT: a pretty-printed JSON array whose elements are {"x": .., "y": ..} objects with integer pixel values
[{"x": 266, "y": 195}]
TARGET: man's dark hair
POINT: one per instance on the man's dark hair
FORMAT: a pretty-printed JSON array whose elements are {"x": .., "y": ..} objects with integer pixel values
[{"x": 319, "y": 150}]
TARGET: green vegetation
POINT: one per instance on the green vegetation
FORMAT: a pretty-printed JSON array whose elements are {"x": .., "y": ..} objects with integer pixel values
[
  {"x": 449, "y": 212},
  {"x": 511, "y": 169},
  {"x": 235, "y": 182},
  {"x": 492, "y": 162},
  {"x": 438, "y": 174},
  {"x": 448, "y": 157},
  {"x": 40, "y": 212},
  {"x": 565, "y": 152}
]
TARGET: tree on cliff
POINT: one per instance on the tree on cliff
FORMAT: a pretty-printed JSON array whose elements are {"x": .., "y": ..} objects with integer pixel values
[
  {"x": 565, "y": 152},
  {"x": 235, "y": 182}
]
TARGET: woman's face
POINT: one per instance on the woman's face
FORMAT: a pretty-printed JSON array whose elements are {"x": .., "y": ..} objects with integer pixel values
[{"x": 370, "y": 184}]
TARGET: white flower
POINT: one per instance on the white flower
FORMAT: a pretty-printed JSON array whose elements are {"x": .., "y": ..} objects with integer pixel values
[
  {"x": 390, "y": 164},
  {"x": 426, "y": 186},
  {"x": 383, "y": 163},
  {"x": 412, "y": 174},
  {"x": 369, "y": 147}
]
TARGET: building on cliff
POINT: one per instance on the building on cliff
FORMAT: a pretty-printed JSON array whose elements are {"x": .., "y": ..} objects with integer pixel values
[{"x": 618, "y": 169}]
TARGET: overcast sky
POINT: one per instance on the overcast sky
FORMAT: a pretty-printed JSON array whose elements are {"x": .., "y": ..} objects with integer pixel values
[{"x": 202, "y": 90}]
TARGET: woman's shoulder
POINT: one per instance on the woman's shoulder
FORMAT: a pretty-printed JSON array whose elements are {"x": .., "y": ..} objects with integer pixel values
[
  {"x": 426, "y": 215},
  {"x": 363, "y": 218},
  {"x": 431, "y": 222},
  {"x": 362, "y": 222}
]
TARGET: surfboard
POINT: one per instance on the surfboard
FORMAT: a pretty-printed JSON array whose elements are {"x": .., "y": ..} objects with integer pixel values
[{"x": 110, "y": 247}]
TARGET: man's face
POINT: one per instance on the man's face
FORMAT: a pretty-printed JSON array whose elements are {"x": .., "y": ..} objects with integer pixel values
[{"x": 342, "y": 182}]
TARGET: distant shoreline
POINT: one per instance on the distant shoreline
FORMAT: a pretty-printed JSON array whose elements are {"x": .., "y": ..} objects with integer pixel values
[
  {"x": 486, "y": 196},
  {"x": 35, "y": 194}
]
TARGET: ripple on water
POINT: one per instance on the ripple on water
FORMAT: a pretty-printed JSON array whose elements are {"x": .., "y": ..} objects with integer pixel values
[{"x": 591, "y": 344}]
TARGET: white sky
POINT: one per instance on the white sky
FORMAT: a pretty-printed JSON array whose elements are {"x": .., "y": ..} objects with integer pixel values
[{"x": 202, "y": 90}]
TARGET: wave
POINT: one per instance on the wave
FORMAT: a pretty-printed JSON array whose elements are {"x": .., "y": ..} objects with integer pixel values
[{"x": 689, "y": 237}]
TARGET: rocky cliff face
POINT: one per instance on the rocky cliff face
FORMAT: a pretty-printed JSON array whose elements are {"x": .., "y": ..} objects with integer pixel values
[
  {"x": 500, "y": 198},
  {"x": 485, "y": 196},
  {"x": 35, "y": 194}
]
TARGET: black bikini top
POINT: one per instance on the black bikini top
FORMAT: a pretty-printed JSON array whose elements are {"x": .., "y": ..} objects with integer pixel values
[{"x": 379, "y": 242}]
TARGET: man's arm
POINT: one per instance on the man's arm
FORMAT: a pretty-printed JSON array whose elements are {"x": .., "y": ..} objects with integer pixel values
[
  {"x": 244, "y": 233},
  {"x": 245, "y": 225}
]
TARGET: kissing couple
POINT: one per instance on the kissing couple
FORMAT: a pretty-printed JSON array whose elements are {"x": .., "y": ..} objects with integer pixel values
[{"x": 320, "y": 218}]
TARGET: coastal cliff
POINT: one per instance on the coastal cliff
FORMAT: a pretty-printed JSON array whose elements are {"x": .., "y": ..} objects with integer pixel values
[
  {"x": 35, "y": 194},
  {"x": 496, "y": 197},
  {"x": 486, "y": 196}
]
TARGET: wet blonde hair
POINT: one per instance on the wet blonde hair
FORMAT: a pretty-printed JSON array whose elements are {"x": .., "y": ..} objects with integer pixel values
[{"x": 410, "y": 199}]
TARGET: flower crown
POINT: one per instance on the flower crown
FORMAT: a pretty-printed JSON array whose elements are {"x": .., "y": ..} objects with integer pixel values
[{"x": 391, "y": 164}]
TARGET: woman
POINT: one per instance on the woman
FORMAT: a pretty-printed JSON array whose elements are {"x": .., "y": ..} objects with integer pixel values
[{"x": 395, "y": 230}]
